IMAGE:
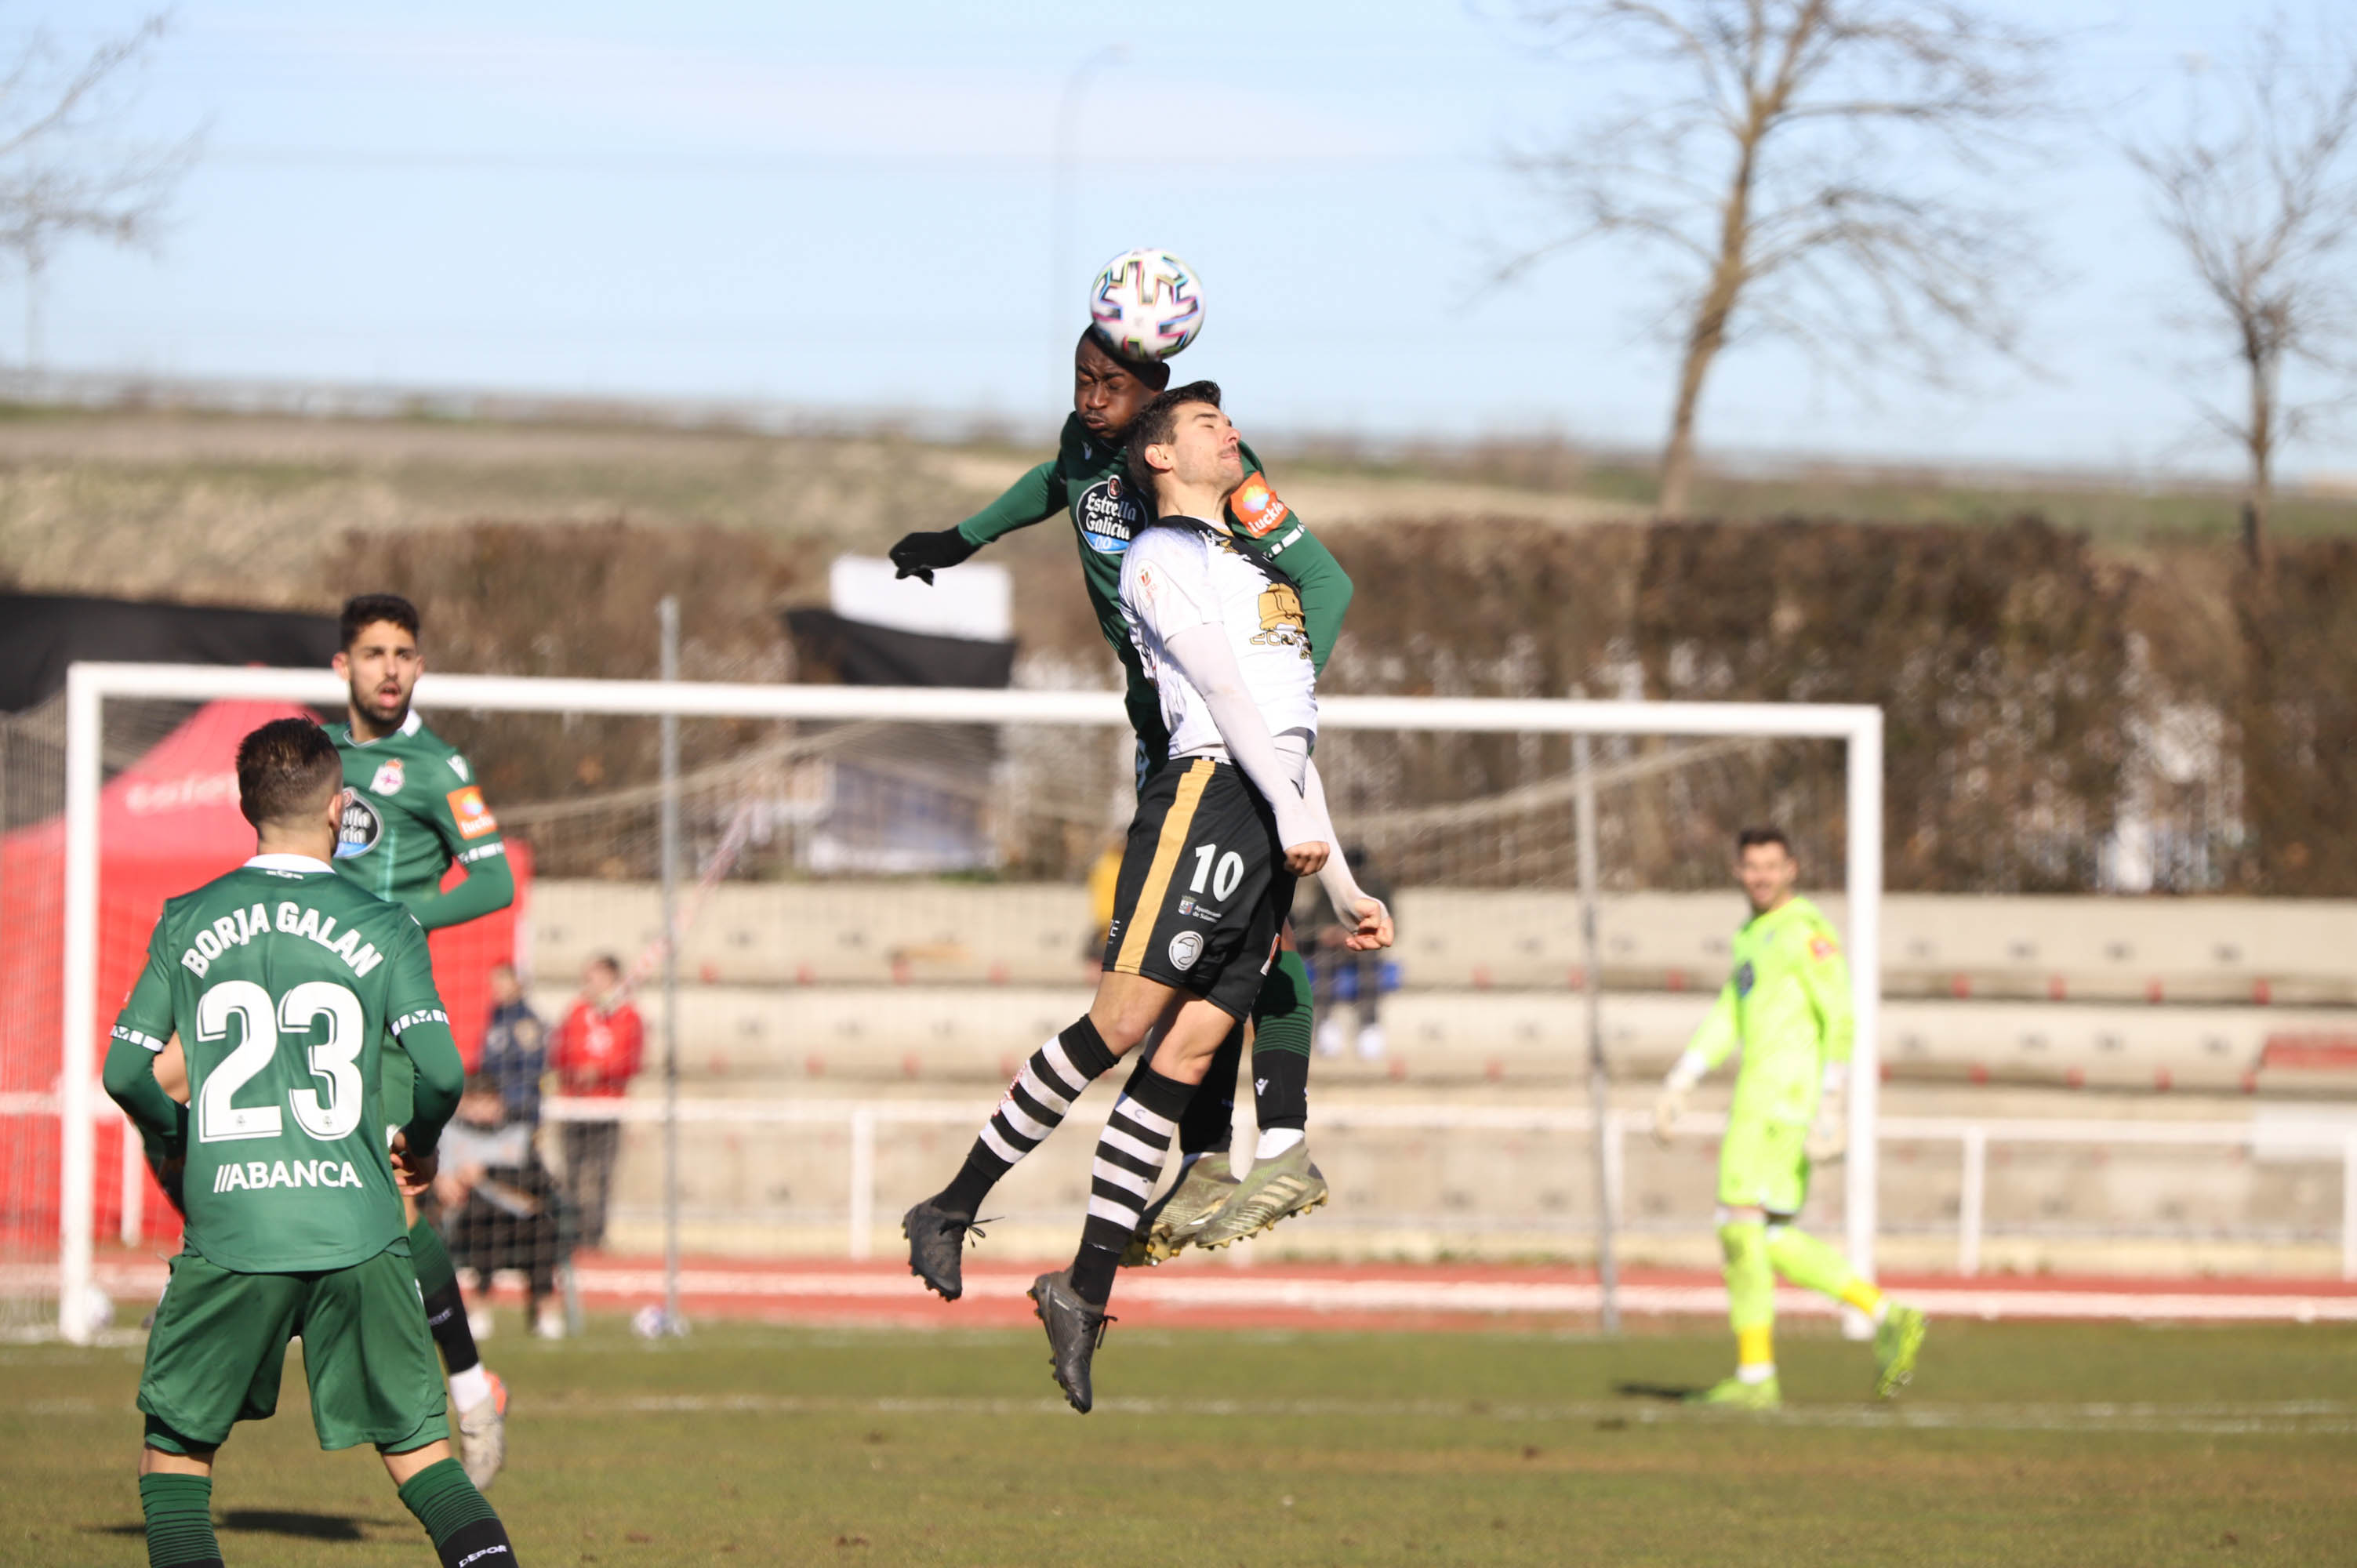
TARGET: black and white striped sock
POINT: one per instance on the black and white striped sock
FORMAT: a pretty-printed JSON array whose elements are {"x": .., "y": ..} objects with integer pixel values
[
  {"x": 1033, "y": 1106},
  {"x": 1129, "y": 1160}
]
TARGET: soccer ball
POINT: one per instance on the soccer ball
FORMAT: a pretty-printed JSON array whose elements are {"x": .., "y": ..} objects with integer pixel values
[{"x": 1149, "y": 302}]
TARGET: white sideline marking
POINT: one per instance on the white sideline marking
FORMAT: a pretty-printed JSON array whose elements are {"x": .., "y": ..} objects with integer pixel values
[{"x": 2317, "y": 1418}]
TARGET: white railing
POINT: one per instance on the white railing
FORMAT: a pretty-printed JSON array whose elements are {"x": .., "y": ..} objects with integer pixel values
[{"x": 862, "y": 1118}]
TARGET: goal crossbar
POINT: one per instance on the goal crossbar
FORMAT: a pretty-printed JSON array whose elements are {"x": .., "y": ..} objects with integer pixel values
[{"x": 89, "y": 686}]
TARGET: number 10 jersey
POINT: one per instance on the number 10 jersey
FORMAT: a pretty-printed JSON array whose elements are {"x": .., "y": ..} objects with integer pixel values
[{"x": 284, "y": 981}]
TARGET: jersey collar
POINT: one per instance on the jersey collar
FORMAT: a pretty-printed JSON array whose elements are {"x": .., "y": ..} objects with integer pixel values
[
  {"x": 302, "y": 863},
  {"x": 409, "y": 726}
]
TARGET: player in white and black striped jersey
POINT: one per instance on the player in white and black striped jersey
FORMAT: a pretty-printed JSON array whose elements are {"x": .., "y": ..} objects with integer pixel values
[{"x": 1206, "y": 873}]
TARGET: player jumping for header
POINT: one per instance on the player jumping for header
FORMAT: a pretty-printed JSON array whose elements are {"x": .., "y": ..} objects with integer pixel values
[
  {"x": 1787, "y": 1007},
  {"x": 1087, "y": 479},
  {"x": 286, "y": 987},
  {"x": 1208, "y": 870},
  {"x": 413, "y": 810}
]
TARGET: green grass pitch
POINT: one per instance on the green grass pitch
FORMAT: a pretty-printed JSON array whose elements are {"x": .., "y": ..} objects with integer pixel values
[{"x": 2021, "y": 1444}]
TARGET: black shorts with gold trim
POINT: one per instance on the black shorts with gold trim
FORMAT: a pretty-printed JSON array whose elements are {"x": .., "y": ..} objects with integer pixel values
[{"x": 1203, "y": 886}]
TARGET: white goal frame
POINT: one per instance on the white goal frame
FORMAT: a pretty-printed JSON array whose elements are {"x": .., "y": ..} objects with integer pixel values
[{"x": 89, "y": 687}]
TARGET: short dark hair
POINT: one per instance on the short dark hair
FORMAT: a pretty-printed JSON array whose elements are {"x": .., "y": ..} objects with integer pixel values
[
  {"x": 1750, "y": 837},
  {"x": 1155, "y": 373},
  {"x": 1154, "y": 425},
  {"x": 364, "y": 610},
  {"x": 287, "y": 769},
  {"x": 606, "y": 960}
]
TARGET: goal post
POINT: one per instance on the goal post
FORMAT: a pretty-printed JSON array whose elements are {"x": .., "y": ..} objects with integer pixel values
[{"x": 90, "y": 687}]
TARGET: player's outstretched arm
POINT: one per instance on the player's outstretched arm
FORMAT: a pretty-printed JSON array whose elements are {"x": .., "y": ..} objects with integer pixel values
[
  {"x": 1709, "y": 1046},
  {"x": 1036, "y": 497},
  {"x": 1202, "y": 655},
  {"x": 1366, "y": 916}
]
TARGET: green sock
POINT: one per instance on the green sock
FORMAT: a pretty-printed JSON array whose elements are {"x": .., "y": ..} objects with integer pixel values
[
  {"x": 453, "y": 1513},
  {"x": 430, "y": 1258},
  {"x": 1751, "y": 1280},
  {"x": 1281, "y": 1019},
  {"x": 179, "y": 1510}
]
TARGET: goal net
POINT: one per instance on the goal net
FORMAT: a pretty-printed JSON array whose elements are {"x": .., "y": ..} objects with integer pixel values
[{"x": 882, "y": 901}]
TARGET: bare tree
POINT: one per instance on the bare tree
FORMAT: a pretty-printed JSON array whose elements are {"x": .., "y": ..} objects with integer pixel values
[
  {"x": 2263, "y": 201},
  {"x": 63, "y": 172},
  {"x": 1803, "y": 165}
]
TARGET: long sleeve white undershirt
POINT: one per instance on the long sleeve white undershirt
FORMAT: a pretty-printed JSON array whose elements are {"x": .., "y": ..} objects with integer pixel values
[{"x": 1203, "y": 657}]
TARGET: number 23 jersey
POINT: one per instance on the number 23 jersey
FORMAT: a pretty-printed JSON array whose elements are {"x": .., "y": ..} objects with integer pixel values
[{"x": 284, "y": 983}]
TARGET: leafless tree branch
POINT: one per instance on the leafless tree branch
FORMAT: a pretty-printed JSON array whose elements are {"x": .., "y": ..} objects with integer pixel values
[
  {"x": 62, "y": 173},
  {"x": 1784, "y": 160},
  {"x": 2260, "y": 194}
]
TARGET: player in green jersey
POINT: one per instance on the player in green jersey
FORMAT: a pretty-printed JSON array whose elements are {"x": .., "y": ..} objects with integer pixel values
[
  {"x": 412, "y": 808},
  {"x": 1787, "y": 1007},
  {"x": 1087, "y": 481},
  {"x": 281, "y": 988}
]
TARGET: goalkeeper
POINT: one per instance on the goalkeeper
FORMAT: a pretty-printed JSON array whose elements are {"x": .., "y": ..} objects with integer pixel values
[
  {"x": 1787, "y": 1007},
  {"x": 1087, "y": 480}
]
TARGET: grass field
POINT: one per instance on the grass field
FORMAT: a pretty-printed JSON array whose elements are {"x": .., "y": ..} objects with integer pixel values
[{"x": 2021, "y": 1444}]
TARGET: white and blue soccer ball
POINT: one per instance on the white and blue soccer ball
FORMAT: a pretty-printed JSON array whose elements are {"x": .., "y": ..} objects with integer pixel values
[{"x": 1149, "y": 302}]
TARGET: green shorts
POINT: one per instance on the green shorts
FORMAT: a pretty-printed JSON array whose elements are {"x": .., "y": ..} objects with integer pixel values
[
  {"x": 1764, "y": 1164},
  {"x": 219, "y": 1349}
]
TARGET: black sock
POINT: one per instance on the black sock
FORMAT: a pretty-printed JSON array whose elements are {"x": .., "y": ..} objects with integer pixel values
[
  {"x": 1034, "y": 1104},
  {"x": 1281, "y": 1018},
  {"x": 446, "y": 1315},
  {"x": 1209, "y": 1124},
  {"x": 1129, "y": 1160},
  {"x": 482, "y": 1544}
]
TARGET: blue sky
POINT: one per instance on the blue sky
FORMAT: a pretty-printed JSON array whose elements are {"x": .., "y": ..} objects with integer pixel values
[{"x": 853, "y": 208}]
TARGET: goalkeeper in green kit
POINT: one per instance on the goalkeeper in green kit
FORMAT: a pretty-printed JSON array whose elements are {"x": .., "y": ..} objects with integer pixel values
[
  {"x": 1787, "y": 1008},
  {"x": 1087, "y": 482},
  {"x": 272, "y": 999},
  {"x": 412, "y": 808}
]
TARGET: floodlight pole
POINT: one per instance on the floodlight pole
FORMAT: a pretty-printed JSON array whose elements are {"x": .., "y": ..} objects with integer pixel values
[
  {"x": 667, "y": 619},
  {"x": 1599, "y": 1082}
]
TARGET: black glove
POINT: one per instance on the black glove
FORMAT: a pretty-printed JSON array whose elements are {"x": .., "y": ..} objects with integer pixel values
[{"x": 922, "y": 554}]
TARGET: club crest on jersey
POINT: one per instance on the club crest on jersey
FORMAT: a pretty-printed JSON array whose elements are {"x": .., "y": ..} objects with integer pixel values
[
  {"x": 466, "y": 809},
  {"x": 1257, "y": 511},
  {"x": 362, "y": 826},
  {"x": 1281, "y": 621},
  {"x": 388, "y": 778},
  {"x": 1109, "y": 516},
  {"x": 1185, "y": 949}
]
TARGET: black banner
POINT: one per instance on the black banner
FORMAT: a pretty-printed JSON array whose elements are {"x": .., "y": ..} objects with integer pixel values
[
  {"x": 40, "y": 634},
  {"x": 830, "y": 647}
]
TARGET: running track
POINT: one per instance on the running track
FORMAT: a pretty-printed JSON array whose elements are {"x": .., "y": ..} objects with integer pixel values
[{"x": 1211, "y": 1293}]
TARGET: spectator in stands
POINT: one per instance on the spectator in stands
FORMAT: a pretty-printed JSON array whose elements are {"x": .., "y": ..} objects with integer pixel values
[
  {"x": 498, "y": 1206},
  {"x": 1336, "y": 974},
  {"x": 515, "y": 1046},
  {"x": 596, "y": 1056}
]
